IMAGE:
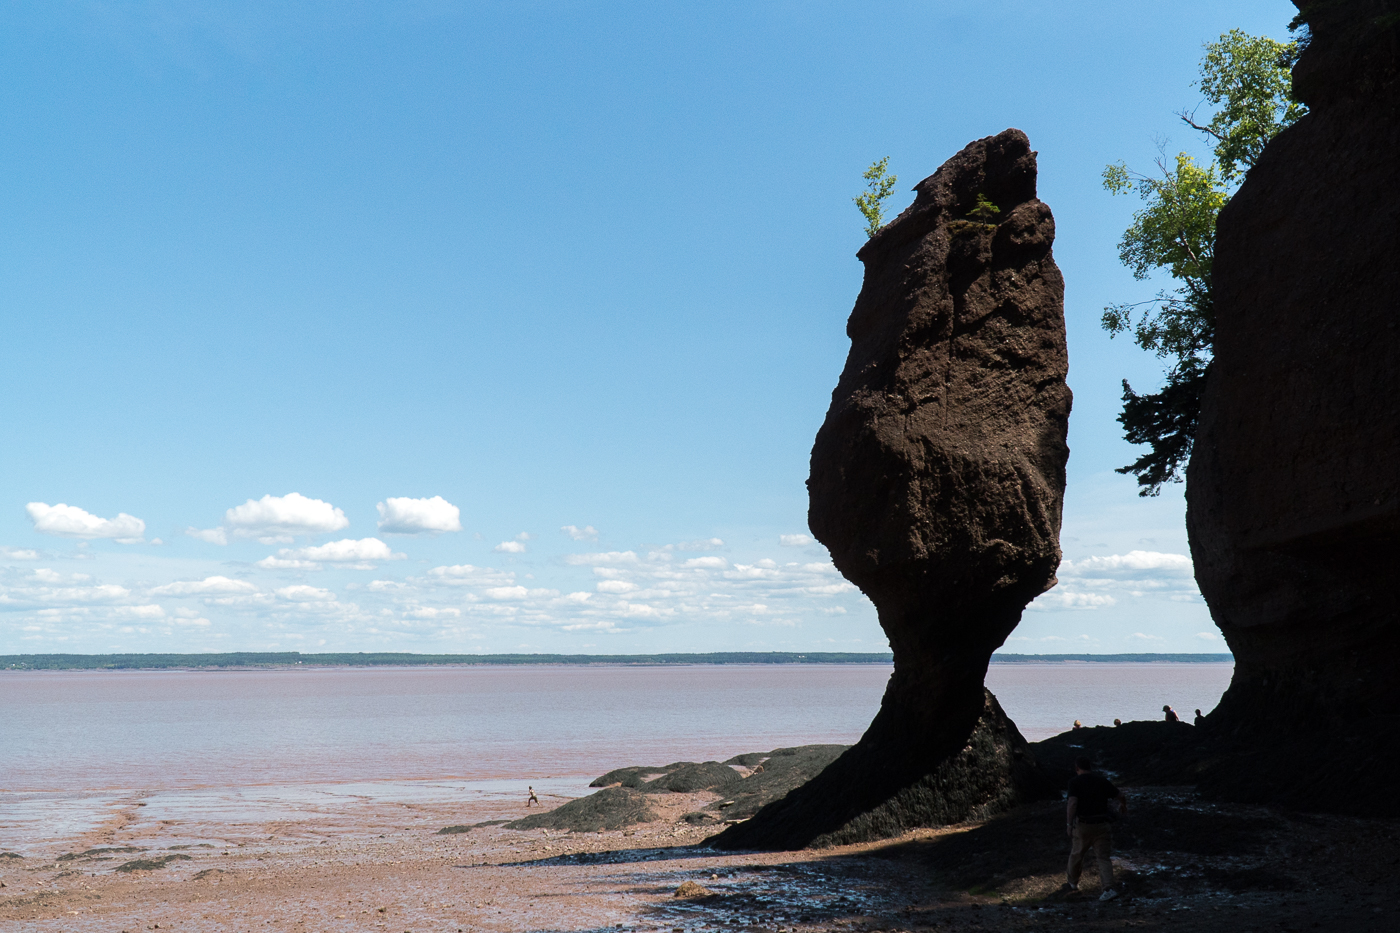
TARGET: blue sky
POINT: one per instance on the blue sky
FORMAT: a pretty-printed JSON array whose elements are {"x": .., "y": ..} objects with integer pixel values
[{"x": 558, "y": 265}]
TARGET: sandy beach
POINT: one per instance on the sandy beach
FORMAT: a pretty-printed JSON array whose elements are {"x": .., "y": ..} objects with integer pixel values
[{"x": 373, "y": 858}]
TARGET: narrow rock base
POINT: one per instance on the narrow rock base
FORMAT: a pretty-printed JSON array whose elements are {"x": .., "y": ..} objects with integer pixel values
[{"x": 876, "y": 791}]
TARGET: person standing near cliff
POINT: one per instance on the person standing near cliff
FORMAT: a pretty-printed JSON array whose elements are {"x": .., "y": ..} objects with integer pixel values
[
  {"x": 1171, "y": 715},
  {"x": 1089, "y": 825}
]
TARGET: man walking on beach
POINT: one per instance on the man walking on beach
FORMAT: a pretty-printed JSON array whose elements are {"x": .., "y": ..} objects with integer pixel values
[
  {"x": 1087, "y": 821},
  {"x": 533, "y": 799}
]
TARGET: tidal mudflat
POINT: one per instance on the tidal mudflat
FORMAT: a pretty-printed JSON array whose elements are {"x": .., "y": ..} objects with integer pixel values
[{"x": 372, "y": 857}]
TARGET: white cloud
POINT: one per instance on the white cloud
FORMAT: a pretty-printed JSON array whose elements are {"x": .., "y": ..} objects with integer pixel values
[
  {"x": 794, "y": 540},
  {"x": 10, "y": 553},
  {"x": 706, "y": 563},
  {"x": 209, "y": 535},
  {"x": 69, "y": 521},
  {"x": 284, "y": 516},
  {"x": 345, "y": 551},
  {"x": 205, "y": 587},
  {"x": 428, "y": 612},
  {"x": 305, "y": 594},
  {"x": 704, "y": 544},
  {"x": 1068, "y": 599},
  {"x": 615, "y": 586},
  {"x": 1131, "y": 561},
  {"x": 401, "y": 516},
  {"x": 586, "y": 533},
  {"x": 510, "y": 547},
  {"x": 506, "y": 592},
  {"x": 1144, "y": 637},
  {"x": 603, "y": 559},
  {"x": 279, "y": 563},
  {"x": 1208, "y": 636},
  {"x": 468, "y": 575}
]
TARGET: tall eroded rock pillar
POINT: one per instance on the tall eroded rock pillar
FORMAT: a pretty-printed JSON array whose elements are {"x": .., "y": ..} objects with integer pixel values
[
  {"x": 1293, "y": 490},
  {"x": 937, "y": 484}
]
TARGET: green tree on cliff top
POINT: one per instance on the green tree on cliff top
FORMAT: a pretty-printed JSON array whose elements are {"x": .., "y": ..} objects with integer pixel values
[
  {"x": 871, "y": 202},
  {"x": 1248, "y": 78}
]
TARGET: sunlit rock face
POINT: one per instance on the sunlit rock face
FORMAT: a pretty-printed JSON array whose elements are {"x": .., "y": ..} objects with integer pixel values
[
  {"x": 1293, "y": 489},
  {"x": 937, "y": 484}
]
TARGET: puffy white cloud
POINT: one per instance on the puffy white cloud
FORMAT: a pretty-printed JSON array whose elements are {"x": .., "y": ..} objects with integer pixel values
[
  {"x": 206, "y": 587},
  {"x": 1101, "y": 581},
  {"x": 10, "y": 553},
  {"x": 586, "y": 533},
  {"x": 1070, "y": 599},
  {"x": 506, "y": 592},
  {"x": 706, "y": 563},
  {"x": 603, "y": 559},
  {"x": 615, "y": 586},
  {"x": 468, "y": 575},
  {"x": 511, "y": 547},
  {"x": 209, "y": 535},
  {"x": 345, "y": 551},
  {"x": 284, "y": 516},
  {"x": 402, "y": 516},
  {"x": 305, "y": 594},
  {"x": 281, "y": 563},
  {"x": 1131, "y": 561},
  {"x": 1144, "y": 637},
  {"x": 795, "y": 540},
  {"x": 432, "y": 612},
  {"x": 704, "y": 544},
  {"x": 69, "y": 521},
  {"x": 1208, "y": 636}
]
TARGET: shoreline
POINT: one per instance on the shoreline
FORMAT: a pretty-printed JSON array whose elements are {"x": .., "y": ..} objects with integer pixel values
[
  {"x": 345, "y": 862},
  {"x": 260, "y": 661}
]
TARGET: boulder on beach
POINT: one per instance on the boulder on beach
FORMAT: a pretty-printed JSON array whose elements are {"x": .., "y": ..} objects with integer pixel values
[
  {"x": 783, "y": 770},
  {"x": 610, "y": 808},
  {"x": 1293, "y": 488},
  {"x": 631, "y": 776},
  {"x": 937, "y": 482},
  {"x": 710, "y": 775}
]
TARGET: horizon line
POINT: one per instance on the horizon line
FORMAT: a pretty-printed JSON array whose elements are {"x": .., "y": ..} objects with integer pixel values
[{"x": 167, "y": 660}]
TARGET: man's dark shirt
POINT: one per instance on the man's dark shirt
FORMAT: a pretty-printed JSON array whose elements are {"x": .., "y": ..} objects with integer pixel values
[{"x": 1094, "y": 792}]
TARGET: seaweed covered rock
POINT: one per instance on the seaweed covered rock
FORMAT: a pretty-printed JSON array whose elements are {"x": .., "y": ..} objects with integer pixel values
[
  {"x": 937, "y": 483},
  {"x": 710, "y": 775},
  {"x": 783, "y": 770},
  {"x": 1293, "y": 490},
  {"x": 680, "y": 777},
  {"x": 610, "y": 808}
]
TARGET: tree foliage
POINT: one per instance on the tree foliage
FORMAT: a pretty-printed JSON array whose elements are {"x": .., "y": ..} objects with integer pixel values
[
  {"x": 1174, "y": 232},
  {"x": 1248, "y": 78},
  {"x": 871, "y": 202}
]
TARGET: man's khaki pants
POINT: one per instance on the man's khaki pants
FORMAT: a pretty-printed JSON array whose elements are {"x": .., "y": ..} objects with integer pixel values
[{"x": 1096, "y": 836}]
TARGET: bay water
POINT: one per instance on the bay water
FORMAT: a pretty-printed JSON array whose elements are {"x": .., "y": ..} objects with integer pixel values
[{"x": 233, "y": 746}]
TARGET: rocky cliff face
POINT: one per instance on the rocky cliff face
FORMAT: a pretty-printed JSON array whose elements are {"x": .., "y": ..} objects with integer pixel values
[
  {"x": 937, "y": 484},
  {"x": 1293, "y": 489}
]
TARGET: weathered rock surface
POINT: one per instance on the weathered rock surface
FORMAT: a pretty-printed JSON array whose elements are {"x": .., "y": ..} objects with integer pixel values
[
  {"x": 1293, "y": 488},
  {"x": 608, "y": 809},
  {"x": 937, "y": 484}
]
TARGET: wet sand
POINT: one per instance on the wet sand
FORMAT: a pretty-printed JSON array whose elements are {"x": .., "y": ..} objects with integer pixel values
[{"x": 371, "y": 858}]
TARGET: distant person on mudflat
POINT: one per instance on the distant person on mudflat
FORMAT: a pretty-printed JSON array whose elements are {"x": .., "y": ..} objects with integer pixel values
[
  {"x": 1171, "y": 714},
  {"x": 1118, "y": 722},
  {"x": 533, "y": 799},
  {"x": 1200, "y": 720},
  {"x": 1089, "y": 825},
  {"x": 1078, "y": 724}
]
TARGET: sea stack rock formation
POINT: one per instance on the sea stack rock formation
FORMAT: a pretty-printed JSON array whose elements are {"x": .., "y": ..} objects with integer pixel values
[
  {"x": 937, "y": 484},
  {"x": 1293, "y": 488}
]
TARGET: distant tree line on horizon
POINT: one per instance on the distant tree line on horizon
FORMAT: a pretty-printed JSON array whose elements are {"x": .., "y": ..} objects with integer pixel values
[{"x": 287, "y": 659}]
